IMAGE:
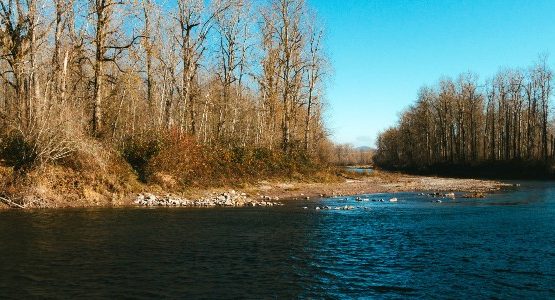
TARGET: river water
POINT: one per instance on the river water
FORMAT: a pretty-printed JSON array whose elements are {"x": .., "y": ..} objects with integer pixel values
[
  {"x": 359, "y": 170},
  {"x": 499, "y": 247}
]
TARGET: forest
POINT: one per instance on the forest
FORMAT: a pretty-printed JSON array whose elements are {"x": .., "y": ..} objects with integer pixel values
[
  {"x": 349, "y": 155},
  {"x": 191, "y": 90},
  {"x": 467, "y": 126}
]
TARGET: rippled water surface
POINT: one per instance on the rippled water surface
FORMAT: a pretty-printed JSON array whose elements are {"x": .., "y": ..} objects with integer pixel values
[{"x": 500, "y": 247}]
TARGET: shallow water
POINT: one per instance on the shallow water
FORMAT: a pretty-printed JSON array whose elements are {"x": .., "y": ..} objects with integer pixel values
[
  {"x": 359, "y": 170},
  {"x": 500, "y": 247}
]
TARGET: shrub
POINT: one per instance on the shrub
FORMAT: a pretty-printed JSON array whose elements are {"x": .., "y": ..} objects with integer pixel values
[
  {"x": 174, "y": 161},
  {"x": 50, "y": 135},
  {"x": 90, "y": 155},
  {"x": 138, "y": 151},
  {"x": 239, "y": 155},
  {"x": 182, "y": 158},
  {"x": 17, "y": 152},
  {"x": 34, "y": 146}
]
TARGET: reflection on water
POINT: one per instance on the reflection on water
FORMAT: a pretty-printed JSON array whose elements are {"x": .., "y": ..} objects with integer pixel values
[{"x": 486, "y": 248}]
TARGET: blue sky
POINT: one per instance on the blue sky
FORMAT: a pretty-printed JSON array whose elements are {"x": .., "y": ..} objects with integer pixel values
[{"x": 382, "y": 51}]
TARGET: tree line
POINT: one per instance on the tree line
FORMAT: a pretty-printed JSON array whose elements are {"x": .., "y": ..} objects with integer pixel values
[
  {"x": 503, "y": 119},
  {"x": 349, "y": 155},
  {"x": 233, "y": 73}
]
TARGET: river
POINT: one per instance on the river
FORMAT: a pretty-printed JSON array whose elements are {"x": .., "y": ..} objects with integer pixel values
[{"x": 499, "y": 247}]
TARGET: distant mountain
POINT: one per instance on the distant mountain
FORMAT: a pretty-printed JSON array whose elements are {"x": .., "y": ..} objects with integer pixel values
[{"x": 364, "y": 148}]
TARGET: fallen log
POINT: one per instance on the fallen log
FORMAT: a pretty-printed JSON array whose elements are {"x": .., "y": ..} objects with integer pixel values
[{"x": 10, "y": 203}]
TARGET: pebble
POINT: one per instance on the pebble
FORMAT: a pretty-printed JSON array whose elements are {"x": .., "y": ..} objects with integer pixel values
[{"x": 229, "y": 199}]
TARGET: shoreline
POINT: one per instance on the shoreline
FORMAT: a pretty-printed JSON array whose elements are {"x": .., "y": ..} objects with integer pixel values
[
  {"x": 280, "y": 190},
  {"x": 381, "y": 182}
]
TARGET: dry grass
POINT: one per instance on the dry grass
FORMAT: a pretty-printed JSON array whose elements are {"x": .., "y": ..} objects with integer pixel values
[
  {"x": 91, "y": 176},
  {"x": 94, "y": 173}
]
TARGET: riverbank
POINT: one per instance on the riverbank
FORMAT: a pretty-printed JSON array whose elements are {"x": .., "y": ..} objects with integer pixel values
[
  {"x": 266, "y": 191},
  {"x": 377, "y": 182}
]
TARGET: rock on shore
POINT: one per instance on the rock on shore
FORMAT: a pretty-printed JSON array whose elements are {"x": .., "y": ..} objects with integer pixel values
[{"x": 227, "y": 199}]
